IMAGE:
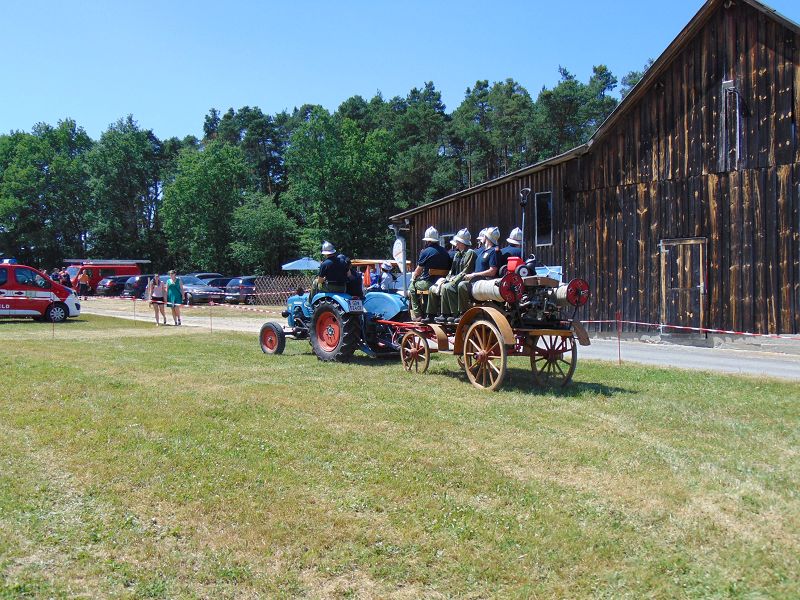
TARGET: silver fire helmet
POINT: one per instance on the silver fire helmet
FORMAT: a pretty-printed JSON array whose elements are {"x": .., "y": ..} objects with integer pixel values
[
  {"x": 463, "y": 236},
  {"x": 431, "y": 235},
  {"x": 515, "y": 237}
]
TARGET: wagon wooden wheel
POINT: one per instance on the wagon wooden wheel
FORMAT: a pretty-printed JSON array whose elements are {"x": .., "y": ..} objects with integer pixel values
[
  {"x": 485, "y": 355},
  {"x": 553, "y": 359},
  {"x": 414, "y": 352}
]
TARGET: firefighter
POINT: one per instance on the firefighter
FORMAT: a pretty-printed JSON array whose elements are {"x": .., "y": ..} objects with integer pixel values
[
  {"x": 388, "y": 282},
  {"x": 332, "y": 275},
  {"x": 463, "y": 264},
  {"x": 514, "y": 247},
  {"x": 433, "y": 263},
  {"x": 487, "y": 263}
]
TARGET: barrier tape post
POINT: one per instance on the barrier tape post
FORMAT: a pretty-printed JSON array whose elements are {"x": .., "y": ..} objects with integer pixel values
[
  {"x": 619, "y": 336},
  {"x": 211, "y": 316},
  {"x": 134, "y": 311}
]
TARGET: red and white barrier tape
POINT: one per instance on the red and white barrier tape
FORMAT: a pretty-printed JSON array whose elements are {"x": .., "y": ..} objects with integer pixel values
[
  {"x": 599, "y": 321},
  {"x": 697, "y": 329},
  {"x": 224, "y": 305}
]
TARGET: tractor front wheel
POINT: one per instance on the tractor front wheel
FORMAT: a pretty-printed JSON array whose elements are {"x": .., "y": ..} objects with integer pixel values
[
  {"x": 335, "y": 334},
  {"x": 272, "y": 338}
]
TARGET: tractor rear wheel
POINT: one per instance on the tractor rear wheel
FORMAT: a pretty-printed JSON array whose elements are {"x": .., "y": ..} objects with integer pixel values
[
  {"x": 272, "y": 338},
  {"x": 335, "y": 334}
]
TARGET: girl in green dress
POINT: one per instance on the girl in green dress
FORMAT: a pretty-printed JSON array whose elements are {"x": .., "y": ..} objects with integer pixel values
[{"x": 175, "y": 296}]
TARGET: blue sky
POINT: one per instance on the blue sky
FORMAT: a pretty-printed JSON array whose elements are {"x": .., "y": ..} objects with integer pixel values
[{"x": 169, "y": 62}]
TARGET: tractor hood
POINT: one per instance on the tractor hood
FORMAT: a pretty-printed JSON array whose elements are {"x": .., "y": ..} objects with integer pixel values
[{"x": 383, "y": 305}]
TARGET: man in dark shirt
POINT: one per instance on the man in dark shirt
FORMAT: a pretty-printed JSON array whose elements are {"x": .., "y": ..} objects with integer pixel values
[
  {"x": 332, "y": 275},
  {"x": 486, "y": 266},
  {"x": 433, "y": 263},
  {"x": 513, "y": 248}
]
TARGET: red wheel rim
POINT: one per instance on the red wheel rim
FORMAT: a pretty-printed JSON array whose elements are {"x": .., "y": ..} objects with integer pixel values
[
  {"x": 328, "y": 332},
  {"x": 269, "y": 340}
]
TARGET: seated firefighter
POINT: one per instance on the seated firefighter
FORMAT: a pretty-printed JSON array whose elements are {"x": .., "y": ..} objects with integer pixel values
[
  {"x": 487, "y": 263},
  {"x": 387, "y": 280},
  {"x": 443, "y": 297},
  {"x": 433, "y": 263},
  {"x": 332, "y": 272}
]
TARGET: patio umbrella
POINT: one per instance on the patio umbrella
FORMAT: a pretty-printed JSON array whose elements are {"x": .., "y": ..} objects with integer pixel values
[{"x": 302, "y": 264}]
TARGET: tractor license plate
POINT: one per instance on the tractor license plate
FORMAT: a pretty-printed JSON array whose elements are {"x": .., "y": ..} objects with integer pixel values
[{"x": 355, "y": 305}]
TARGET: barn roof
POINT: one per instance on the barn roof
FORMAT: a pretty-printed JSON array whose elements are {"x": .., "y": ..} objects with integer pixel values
[{"x": 650, "y": 77}]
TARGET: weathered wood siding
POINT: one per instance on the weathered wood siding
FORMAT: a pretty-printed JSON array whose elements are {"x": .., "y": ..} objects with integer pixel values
[{"x": 665, "y": 171}]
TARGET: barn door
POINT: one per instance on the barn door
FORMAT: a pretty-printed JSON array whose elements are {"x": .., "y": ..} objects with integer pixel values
[{"x": 683, "y": 282}]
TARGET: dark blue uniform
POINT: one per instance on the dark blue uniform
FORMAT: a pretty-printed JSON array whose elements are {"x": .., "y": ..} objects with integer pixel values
[
  {"x": 487, "y": 258},
  {"x": 510, "y": 251},
  {"x": 435, "y": 263},
  {"x": 334, "y": 270},
  {"x": 433, "y": 257}
]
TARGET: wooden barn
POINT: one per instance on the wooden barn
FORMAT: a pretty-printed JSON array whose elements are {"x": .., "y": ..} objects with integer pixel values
[{"x": 684, "y": 206}]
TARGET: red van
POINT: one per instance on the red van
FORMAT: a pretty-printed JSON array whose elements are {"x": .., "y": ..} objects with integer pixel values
[
  {"x": 100, "y": 269},
  {"x": 26, "y": 292}
]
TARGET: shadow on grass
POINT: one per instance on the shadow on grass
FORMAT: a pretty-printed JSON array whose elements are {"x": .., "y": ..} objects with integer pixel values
[
  {"x": 521, "y": 381},
  {"x": 382, "y": 360}
]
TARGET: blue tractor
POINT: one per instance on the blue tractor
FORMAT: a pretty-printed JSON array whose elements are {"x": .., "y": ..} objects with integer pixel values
[{"x": 338, "y": 324}]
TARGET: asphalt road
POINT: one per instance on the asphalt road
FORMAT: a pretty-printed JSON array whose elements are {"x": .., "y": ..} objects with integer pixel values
[{"x": 720, "y": 360}]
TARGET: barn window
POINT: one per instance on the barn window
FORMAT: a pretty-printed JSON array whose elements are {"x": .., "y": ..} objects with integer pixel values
[
  {"x": 544, "y": 219},
  {"x": 730, "y": 127}
]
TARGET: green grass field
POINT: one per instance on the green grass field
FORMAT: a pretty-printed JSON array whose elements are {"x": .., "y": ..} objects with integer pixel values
[{"x": 172, "y": 463}]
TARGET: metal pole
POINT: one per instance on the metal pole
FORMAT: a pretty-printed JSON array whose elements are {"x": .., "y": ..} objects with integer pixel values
[
  {"x": 399, "y": 254},
  {"x": 524, "y": 193},
  {"x": 619, "y": 336},
  {"x": 211, "y": 315}
]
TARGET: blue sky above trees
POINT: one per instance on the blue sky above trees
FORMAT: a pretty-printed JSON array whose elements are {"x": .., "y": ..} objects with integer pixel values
[{"x": 168, "y": 63}]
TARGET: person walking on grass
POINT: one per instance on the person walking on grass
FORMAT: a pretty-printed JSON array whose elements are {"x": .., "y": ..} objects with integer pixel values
[
  {"x": 175, "y": 296},
  {"x": 156, "y": 292}
]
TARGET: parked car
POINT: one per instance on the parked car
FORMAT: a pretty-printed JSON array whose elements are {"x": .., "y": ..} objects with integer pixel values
[
  {"x": 196, "y": 291},
  {"x": 204, "y": 276},
  {"x": 136, "y": 286},
  {"x": 27, "y": 292},
  {"x": 219, "y": 282},
  {"x": 241, "y": 290},
  {"x": 112, "y": 286}
]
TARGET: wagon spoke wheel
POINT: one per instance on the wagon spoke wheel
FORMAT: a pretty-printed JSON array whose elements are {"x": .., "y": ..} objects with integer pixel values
[
  {"x": 415, "y": 353},
  {"x": 553, "y": 360},
  {"x": 485, "y": 355}
]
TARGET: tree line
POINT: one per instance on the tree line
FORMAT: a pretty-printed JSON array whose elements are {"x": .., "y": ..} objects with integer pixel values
[{"x": 260, "y": 189}]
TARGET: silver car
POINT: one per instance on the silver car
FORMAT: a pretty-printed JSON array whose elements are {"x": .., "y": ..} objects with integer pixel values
[{"x": 196, "y": 291}]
